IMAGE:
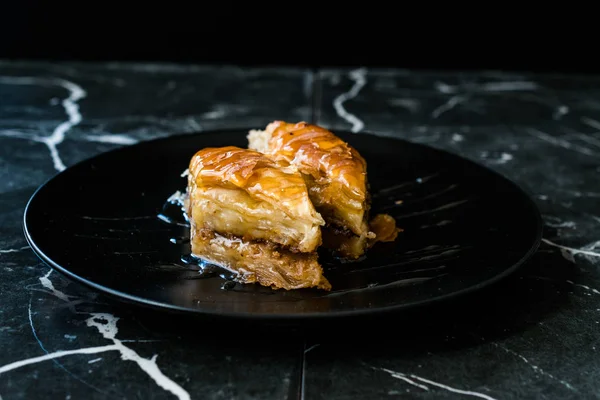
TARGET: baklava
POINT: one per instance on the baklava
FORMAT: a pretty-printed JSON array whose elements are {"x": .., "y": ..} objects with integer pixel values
[
  {"x": 253, "y": 215},
  {"x": 336, "y": 177}
]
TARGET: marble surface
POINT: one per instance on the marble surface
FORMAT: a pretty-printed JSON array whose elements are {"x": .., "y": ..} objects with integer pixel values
[{"x": 534, "y": 335}]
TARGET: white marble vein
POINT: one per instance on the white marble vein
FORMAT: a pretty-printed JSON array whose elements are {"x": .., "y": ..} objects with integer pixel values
[
  {"x": 588, "y": 139},
  {"x": 586, "y": 250},
  {"x": 112, "y": 139},
  {"x": 562, "y": 143},
  {"x": 570, "y": 282},
  {"x": 6, "y": 251},
  {"x": 514, "y": 86},
  {"x": 591, "y": 122},
  {"x": 577, "y": 193},
  {"x": 15, "y": 134},
  {"x": 561, "y": 224},
  {"x": 106, "y": 324},
  {"x": 590, "y": 289},
  {"x": 307, "y": 84},
  {"x": 534, "y": 367},
  {"x": 403, "y": 377},
  {"x": 47, "y": 283},
  {"x": 359, "y": 76},
  {"x": 107, "y": 327},
  {"x": 448, "y": 105},
  {"x": 70, "y": 105},
  {"x": 37, "y": 338},
  {"x": 412, "y": 105},
  {"x": 56, "y": 354},
  {"x": 425, "y": 384},
  {"x": 314, "y": 346}
]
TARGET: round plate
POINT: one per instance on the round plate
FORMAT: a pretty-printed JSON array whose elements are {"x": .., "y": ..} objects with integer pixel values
[{"x": 464, "y": 227}]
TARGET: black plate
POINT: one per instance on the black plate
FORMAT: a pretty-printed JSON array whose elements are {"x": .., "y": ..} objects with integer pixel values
[{"x": 464, "y": 228}]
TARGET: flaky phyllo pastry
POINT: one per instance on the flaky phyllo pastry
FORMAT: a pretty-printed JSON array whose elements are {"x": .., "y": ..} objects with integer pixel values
[
  {"x": 253, "y": 216},
  {"x": 336, "y": 177},
  {"x": 263, "y": 212}
]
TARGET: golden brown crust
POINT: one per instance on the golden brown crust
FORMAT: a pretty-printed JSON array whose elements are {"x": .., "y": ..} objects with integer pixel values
[
  {"x": 262, "y": 263},
  {"x": 261, "y": 177},
  {"x": 335, "y": 172},
  {"x": 219, "y": 166}
]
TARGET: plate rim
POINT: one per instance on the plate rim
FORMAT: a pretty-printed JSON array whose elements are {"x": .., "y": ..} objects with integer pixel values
[{"x": 271, "y": 317}]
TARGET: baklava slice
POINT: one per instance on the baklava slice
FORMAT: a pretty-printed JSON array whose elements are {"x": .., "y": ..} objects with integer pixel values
[
  {"x": 253, "y": 215},
  {"x": 335, "y": 174}
]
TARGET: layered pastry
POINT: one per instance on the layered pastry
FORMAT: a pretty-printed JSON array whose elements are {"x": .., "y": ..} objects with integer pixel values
[
  {"x": 336, "y": 178},
  {"x": 253, "y": 215}
]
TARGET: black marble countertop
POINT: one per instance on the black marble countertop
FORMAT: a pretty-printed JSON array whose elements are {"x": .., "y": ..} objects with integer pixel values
[{"x": 533, "y": 336}]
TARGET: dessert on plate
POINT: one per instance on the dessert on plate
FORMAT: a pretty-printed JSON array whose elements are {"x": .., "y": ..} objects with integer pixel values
[
  {"x": 263, "y": 212},
  {"x": 335, "y": 175},
  {"x": 253, "y": 216}
]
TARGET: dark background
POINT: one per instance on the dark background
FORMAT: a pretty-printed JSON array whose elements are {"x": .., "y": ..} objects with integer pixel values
[{"x": 302, "y": 34}]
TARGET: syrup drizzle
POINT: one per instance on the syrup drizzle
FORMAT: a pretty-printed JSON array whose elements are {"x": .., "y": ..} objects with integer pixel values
[
  {"x": 206, "y": 269},
  {"x": 173, "y": 210}
]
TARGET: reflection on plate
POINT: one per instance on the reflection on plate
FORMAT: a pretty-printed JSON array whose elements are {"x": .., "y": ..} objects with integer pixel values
[{"x": 107, "y": 222}]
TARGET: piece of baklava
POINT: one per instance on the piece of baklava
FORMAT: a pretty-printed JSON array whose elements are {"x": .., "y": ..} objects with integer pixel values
[
  {"x": 336, "y": 176},
  {"x": 253, "y": 215}
]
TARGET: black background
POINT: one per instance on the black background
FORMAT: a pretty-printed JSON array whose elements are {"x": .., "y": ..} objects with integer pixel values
[{"x": 302, "y": 34}]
